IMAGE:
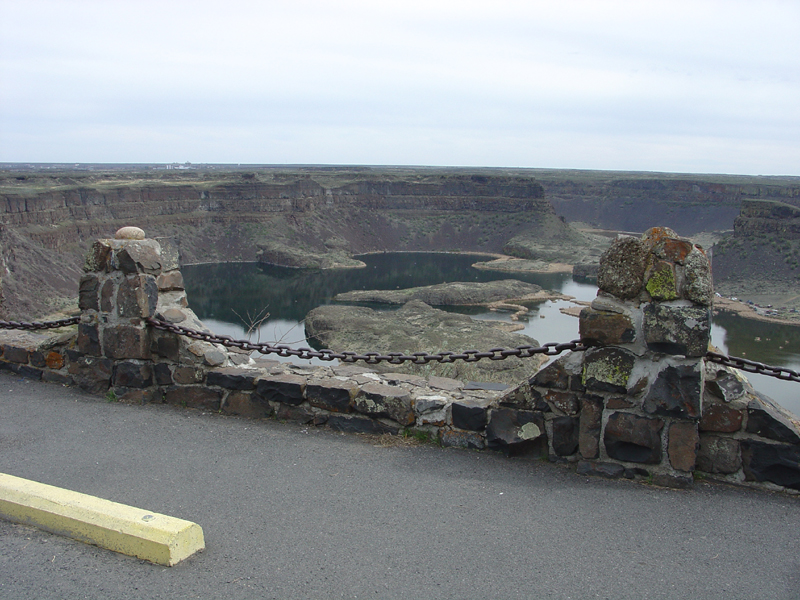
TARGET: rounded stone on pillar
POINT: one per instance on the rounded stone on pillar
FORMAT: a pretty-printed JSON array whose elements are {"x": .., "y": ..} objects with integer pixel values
[{"x": 129, "y": 233}]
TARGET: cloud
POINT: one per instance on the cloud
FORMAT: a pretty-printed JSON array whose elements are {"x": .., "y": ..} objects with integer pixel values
[{"x": 698, "y": 86}]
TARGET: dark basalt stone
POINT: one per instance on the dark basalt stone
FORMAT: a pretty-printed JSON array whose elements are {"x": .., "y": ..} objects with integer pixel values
[
  {"x": 132, "y": 375},
  {"x": 232, "y": 379},
  {"x": 470, "y": 414},
  {"x": 194, "y": 396},
  {"x": 514, "y": 431},
  {"x": 777, "y": 463},
  {"x": 718, "y": 454},
  {"x": 727, "y": 387},
  {"x": 246, "y": 404},
  {"x": 88, "y": 339},
  {"x": 359, "y": 425},
  {"x": 604, "y": 328},
  {"x": 87, "y": 292},
  {"x": 631, "y": 438},
  {"x": 565, "y": 435},
  {"x": 675, "y": 393},
  {"x": 286, "y": 389},
  {"x": 766, "y": 421},
  {"x": 162, "y": 374},
  {"x": 552, "y": 376},
  {"x": 721, "y": 417},
  {"x": 137, "y": 296},
  {"x": 332, "y": 395},
  {"x": 590, "y": 421}
]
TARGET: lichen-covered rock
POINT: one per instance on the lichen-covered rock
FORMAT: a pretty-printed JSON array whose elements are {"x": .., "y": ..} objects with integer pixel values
[
  {"x": 456, "y": 438},
  {"x": 622, "y": 266},
  {"x": 683, "y": 330},
  {"x": 607, "y": 369},
  {"x": 697, "y": 282},
  {"x": 379, "y": 400},
  {"x": 431, "y": 410},
  {"x": 661, "y": 283}
]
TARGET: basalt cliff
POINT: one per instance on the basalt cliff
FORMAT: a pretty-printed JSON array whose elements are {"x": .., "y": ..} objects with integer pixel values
[
  {"x": 295, "y": 218},
  {"x": 688, "y": 204},
  {"x": 761, "y": 260},
  {"x": 321, "y": 216}
]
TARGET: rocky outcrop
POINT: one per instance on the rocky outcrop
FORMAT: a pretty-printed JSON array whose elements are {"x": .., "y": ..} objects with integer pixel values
[
  {"x": 763, "y": 255},
  {"x": 452, "y": 294},
  {"x": 759, "y": 218},
  {"x": 417, "y": 327}
]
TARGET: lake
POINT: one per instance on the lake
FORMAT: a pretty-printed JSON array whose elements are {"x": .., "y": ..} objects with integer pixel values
[{"x": 230, "y": 297}]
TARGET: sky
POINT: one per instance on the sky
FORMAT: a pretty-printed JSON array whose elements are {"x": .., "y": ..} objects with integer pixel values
[{"x": 699, "y": 86}]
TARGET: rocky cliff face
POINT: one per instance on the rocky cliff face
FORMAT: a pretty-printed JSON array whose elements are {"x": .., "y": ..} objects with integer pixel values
[
  {"x": 763, "y": 218},
  {"x": 227, "y": 217},
  {"x": 762, "y": 258},
  {"x": 635, "y": 202}
]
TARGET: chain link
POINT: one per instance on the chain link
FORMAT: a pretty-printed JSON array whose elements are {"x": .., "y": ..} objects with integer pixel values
[
  {"x": 398, "y": 358},
  {"x": 752, "y": 366},
  {"x": 35, "y": 325},
  {"x": 371, "y": 358}
]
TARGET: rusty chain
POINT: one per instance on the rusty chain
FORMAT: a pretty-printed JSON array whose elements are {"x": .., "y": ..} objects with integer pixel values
[
  {"x": 36, "y": 325},
  {"x": 398, "y": 358},
  {"x": 752, "y": 366},
  {"x": 371, "y": 358}
]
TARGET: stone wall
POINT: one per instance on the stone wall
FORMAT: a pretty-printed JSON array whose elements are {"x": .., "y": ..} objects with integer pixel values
[{"x": 640, "y": 403}]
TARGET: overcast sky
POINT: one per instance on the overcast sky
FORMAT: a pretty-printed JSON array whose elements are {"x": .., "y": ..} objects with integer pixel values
[{"x": 681, "y": 86}]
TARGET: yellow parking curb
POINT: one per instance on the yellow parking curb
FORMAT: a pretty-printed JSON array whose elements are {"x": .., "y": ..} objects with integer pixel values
[{"x": 151, "y": 536}]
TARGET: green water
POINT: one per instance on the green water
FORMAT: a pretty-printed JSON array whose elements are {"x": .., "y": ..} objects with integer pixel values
[{"x": 228, "y": 297}]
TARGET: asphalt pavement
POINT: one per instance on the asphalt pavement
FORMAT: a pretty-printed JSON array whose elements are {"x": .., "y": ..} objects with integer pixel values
[{"x": 290, "y": 511}]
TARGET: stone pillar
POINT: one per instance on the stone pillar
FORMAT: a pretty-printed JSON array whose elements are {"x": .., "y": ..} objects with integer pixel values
[
  {"x": 128, "y": 279},
  {"x": 119, "y": 291},
  {"x": 650, "y": 327},
  {"x": 117, "y": 294}
]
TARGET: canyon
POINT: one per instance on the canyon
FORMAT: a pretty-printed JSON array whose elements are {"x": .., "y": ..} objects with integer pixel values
[{"x": 321, "y": 216}]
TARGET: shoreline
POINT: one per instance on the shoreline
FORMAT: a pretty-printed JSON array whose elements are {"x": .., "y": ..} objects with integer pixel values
[
  {"x": 746, "y": 311},
  {"x": 719, "y": 304}
]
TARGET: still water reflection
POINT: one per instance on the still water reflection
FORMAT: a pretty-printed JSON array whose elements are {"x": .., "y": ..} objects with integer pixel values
[{"x": 228, "y": 297}]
